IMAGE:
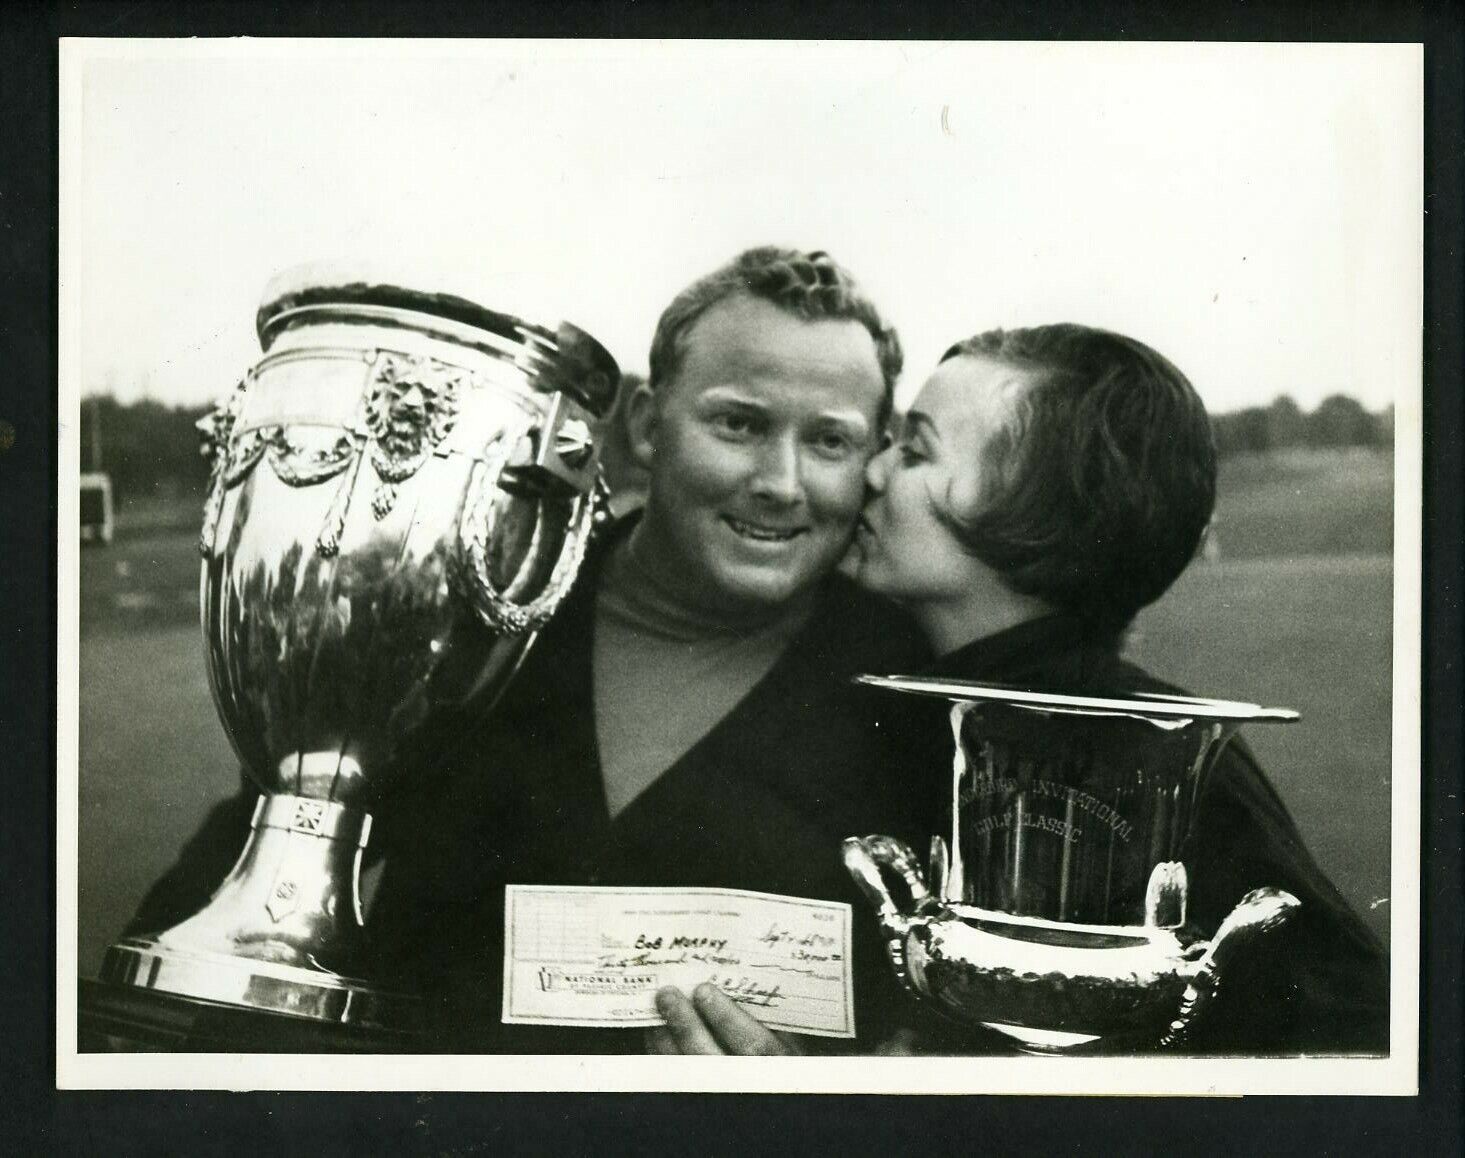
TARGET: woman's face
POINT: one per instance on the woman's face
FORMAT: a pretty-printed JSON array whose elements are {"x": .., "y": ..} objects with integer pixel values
[{"x": 902, "y": 548}]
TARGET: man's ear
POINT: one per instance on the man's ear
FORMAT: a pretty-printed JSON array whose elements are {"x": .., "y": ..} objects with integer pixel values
[{"x": 642, "y": 420}]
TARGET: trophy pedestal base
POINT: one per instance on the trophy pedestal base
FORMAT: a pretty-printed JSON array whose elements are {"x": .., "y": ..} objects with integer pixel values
[
  {"x": 114, "y": 1018},
  {"x": 1044, "y": 1042},
  {"x": 259, "y": 986}
]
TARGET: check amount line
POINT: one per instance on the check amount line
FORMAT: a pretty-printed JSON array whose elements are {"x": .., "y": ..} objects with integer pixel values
[{"x": 729, "y": 959}]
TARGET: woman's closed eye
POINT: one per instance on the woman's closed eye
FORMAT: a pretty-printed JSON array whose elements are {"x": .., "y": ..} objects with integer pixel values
[{"x": 911, "y": 450}]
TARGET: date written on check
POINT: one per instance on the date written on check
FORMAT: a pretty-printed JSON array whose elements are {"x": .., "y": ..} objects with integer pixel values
[{"x": 597, "y": 956}]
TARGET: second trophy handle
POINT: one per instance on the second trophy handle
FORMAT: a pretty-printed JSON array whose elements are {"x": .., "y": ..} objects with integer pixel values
[
  {"x": 1260, "y": 912},
  {"x": 877, "y": 863}
]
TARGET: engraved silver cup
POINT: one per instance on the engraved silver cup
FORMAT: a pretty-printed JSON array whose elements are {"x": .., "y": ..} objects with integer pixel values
[
  {"x": 1056, "y": 908},
  {"x": 402, "y": 490}
]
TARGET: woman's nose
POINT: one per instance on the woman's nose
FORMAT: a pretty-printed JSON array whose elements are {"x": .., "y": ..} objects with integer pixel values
[{"x": 877, "y": 469}]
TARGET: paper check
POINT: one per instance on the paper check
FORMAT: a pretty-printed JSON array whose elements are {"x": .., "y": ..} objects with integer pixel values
[{"x": 597, "y": 956}]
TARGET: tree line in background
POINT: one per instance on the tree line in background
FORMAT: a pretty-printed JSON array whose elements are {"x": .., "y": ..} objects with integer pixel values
[
  {"x": 151, "y": 449},
  {"x": 145, "y": 447},
  {"x": 1338, "y": 421}
]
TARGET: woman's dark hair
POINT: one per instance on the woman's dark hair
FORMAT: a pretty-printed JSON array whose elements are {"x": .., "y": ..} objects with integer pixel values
[
  {"x": 810, "y": 285},
  {"x": 1102, "y": 483}
]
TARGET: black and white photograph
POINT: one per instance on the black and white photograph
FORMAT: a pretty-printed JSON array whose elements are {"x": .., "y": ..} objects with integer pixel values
[{"x": 749, "y": 566}]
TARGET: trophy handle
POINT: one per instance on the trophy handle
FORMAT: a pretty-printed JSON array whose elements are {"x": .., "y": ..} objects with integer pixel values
[
  {"x": 1260, "y": 912},
  {"x": 876, "y": 862},
  {"x": 939, "y": 865},
  {"x": 1166, "y": 895},
  {"x": 564, "y": 466}
]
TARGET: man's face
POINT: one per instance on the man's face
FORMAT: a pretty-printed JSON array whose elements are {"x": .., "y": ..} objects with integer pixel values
[{"x": 757, "y": 451}]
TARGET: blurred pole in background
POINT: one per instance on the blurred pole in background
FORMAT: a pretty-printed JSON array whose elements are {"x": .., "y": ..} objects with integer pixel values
[{"x": 96, "y": 487}]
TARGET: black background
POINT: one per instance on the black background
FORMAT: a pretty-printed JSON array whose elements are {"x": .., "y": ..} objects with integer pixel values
[{"x": 36, "y": 1119}]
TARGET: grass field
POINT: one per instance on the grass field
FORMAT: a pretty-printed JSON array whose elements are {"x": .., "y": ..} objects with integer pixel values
[
  {"x": 1313, "y": 634},
  {"x": 1305, "y": 503},
  {"x": 1296, "y": 611}
]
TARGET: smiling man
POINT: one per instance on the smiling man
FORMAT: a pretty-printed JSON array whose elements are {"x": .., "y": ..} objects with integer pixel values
[
  {"x": 687, "y": 720},
  {"x": 754, "y": 428},
  {"x": 753, "y": 433}
]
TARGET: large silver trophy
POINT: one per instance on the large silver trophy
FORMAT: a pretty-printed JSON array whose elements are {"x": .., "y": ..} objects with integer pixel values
[
  {"x": 402, "y": 491},
  {"x": 1055, "y": 910}
]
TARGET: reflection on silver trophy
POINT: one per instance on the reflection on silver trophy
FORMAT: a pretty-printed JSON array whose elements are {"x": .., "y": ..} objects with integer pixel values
[
  {"x": 402, "y": 490},
  {"x": 1055, "y": 912}
]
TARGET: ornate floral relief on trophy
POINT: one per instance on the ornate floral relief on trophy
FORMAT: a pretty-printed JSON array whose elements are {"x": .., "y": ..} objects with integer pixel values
[
  {"x": 410, "y": 408},
  {"x": 216, "y": 431}
]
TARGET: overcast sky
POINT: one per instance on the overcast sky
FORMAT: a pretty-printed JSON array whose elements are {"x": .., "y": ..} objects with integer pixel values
[{"x": 1252, "y": 211}]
